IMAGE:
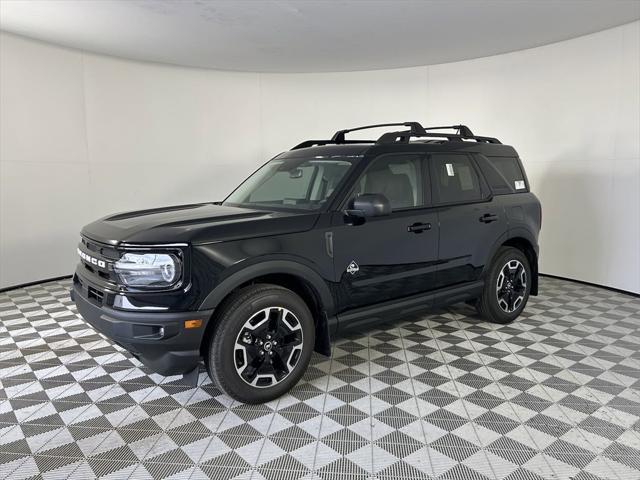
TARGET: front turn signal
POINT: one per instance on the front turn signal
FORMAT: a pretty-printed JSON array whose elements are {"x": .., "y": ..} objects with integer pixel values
[{"x": 192, "y": 323}]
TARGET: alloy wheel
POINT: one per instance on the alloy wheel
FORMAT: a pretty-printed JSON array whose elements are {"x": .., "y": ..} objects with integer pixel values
[
  {"x": 511, "y": 286},
  {"x": 268, "y": 347}
]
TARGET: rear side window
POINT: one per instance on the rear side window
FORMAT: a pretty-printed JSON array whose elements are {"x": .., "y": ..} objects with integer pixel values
[
  {"x": 455, "y": 179},
  {"x": 503, "y": 174}
]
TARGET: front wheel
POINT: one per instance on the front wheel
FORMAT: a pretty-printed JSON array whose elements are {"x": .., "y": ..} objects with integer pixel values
[
  {"x": 507, "y": 287},
  {"x": 262, "y": 343}
]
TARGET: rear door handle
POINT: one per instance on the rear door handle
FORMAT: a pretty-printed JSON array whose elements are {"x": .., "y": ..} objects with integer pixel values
[
  {"x": 488, "y": 218},
  {"x": 419, "y": 227}
]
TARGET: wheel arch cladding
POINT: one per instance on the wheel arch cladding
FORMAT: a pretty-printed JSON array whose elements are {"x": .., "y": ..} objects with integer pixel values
[
  {"x": 526, "y": 247},
  {"x": 298, "y": 278}
]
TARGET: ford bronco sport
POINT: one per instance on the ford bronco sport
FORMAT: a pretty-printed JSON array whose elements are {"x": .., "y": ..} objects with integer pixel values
[{"x": 331, "y": 235}]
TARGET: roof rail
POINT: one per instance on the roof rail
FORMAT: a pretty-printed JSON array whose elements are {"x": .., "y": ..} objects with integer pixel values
[{"x": 318, "y": 143}]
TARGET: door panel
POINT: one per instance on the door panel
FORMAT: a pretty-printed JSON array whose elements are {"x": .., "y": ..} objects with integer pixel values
[
  {"x": 470, "y": 221},
  {"x": 392, "y": 261},
  {"x": 466, "y": 241},
  {"x": 394, "y": 256}
]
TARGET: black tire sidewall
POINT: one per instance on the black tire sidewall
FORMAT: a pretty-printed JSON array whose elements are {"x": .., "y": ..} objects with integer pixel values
[
  {"x": 489, "y": 302},
  {"x": 221, "y": 352}
]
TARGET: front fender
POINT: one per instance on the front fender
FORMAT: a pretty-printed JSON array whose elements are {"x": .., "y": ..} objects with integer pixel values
[{"x": 245, "y": 272}]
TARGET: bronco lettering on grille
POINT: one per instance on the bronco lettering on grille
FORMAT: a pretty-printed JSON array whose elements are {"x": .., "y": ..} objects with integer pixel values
[{"x": 92, "y": 260}]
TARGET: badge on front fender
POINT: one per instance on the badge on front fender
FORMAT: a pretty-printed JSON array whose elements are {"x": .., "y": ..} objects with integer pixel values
[{"x": 353, "y": 268}]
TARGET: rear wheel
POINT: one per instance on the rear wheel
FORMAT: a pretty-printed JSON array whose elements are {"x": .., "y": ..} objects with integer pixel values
[
  {"x": 507, "y": 287},
  {"x": 262, "y": 343}
]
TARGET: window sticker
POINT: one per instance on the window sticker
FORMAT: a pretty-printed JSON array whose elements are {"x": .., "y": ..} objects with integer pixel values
[
  {"x": 520, "y": 184},
  {"x": 450, "y": 169}
]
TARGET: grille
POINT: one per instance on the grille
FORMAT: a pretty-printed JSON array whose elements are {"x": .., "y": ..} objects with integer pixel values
[
  {"x": 105, "y": 251},
  {"x": 102, "y": 252}
]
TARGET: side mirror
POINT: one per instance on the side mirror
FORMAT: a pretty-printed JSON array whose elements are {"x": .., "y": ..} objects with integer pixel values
[{"x": 369, "y": 205}]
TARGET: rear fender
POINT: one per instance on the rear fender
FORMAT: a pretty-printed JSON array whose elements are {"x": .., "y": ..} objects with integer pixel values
[{"x": 518, "y": 237}]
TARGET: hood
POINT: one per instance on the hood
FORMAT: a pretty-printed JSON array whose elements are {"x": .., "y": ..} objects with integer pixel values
[{"x": 199, "y": 223}]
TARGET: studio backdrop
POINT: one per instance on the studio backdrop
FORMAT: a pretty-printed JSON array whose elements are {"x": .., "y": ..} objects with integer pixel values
[{"x": 83, "y": 135}]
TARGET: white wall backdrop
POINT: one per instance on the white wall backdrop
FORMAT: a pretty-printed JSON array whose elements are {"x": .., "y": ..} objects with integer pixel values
[{"x": 83, "y": 135}]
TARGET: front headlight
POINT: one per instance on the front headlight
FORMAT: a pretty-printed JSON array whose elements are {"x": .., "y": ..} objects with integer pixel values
[{"x": 148, "y": 269}]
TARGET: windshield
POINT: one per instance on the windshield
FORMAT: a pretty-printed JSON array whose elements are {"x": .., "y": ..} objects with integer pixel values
[{"x": 298, "y": 183}]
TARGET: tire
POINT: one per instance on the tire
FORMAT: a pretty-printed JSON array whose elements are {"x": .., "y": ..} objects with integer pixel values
[
  {"x": 511, "y": 270},
  {"x": 245, "y": 327}
]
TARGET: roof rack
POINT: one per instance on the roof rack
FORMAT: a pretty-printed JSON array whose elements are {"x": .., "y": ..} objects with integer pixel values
[
  {"x": 338, "y": 137},
  {"x": 462, "y": 133},
  {"x": 462, "y": 129},
  {"x": 415, "y": 130}
]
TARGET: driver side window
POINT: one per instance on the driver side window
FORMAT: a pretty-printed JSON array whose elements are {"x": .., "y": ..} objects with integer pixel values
[{"x": 397, "y": 177}]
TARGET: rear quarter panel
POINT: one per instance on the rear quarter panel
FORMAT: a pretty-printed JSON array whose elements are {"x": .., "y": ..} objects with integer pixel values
[{"x": 524, "y": 216}]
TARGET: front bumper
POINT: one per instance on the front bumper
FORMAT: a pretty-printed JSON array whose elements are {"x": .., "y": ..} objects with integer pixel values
[{"x": 158, "y": 339}]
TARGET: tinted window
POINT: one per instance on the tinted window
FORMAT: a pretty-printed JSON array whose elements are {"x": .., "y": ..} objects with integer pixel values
[
  {"x": 455, "y": 178},
  {"x": 510, "y": 170},
  {"x": 397, "y": 177},
  {"x": 503, "y": 174}
]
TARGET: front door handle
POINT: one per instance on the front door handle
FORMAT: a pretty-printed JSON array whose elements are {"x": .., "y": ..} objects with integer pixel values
[
  {"x": 419, "y": 227},
  {"x": 488, "y": 218}
]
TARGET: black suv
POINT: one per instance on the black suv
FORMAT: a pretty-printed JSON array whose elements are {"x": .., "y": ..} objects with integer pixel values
[{"x": 331, "y": 235}]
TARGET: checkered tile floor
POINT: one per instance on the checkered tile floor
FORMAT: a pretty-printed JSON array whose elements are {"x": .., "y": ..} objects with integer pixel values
[{"x": 445, "y": 396}]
